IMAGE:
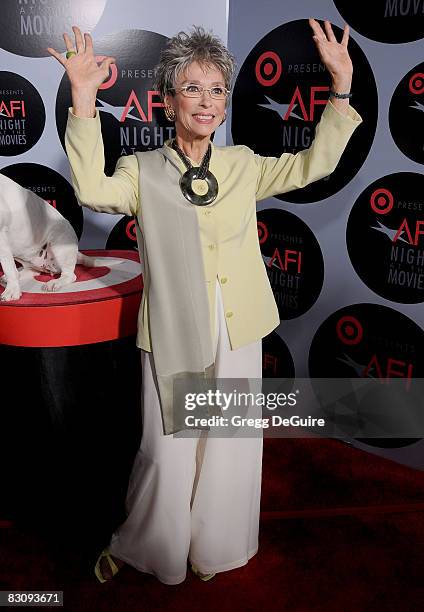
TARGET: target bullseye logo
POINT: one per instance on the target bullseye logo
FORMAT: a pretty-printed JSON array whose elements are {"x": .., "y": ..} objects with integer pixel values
[
  {"x": 281, "y": 91},
  {"x": 129, "y": 106},
  {"x": 101, "y": 305},
  {"x": 416, "y": 83},
  {"x": 83, "y": 274},
  {"x": 123, "y": 235},
  {"x": 130, "y": 230},
  {"x": 110, "y": 82},
  {"x": 367, "y": 340},
  {"x": 406, "y": 114},
  {"x": 385, "y": 237},
  {"x": 262, "y": 232},
  {"x": 382, "y": 201},
  {"x": 268, "y": 68},
  {"x": 109, "y": 272},
  {"x": 374, "y": 342},
  {"x": 349, "y": 330}
]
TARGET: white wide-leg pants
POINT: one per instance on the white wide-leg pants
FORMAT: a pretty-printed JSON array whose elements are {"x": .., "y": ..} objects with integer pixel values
[{"x": 193, "y": 498}]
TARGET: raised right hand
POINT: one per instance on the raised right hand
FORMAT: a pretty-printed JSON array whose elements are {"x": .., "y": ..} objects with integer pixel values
[{"x": 85, "y": 74}]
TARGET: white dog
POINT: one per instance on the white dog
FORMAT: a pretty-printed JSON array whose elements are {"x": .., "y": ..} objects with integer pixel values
[{"x": 36, "y": 235}]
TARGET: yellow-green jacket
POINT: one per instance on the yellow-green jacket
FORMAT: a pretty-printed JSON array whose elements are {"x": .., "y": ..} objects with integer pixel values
[{"x": 228, "y": 229}]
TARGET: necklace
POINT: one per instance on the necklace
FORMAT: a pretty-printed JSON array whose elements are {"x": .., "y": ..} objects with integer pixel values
[{"x": 198, "y": 185}]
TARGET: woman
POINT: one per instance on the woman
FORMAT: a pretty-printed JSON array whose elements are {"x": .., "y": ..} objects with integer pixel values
[{"x": 207, "y": 301}]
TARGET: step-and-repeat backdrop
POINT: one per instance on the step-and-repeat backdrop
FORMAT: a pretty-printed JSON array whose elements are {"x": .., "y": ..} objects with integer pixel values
[
  {"x": 35, "y": 93},
  {"x": 345, "y": 256}
]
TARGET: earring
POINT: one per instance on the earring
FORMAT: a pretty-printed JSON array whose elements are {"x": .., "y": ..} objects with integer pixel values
[
  {"x": 223, "y": 118},
  {"x": 170, "y": 113}
]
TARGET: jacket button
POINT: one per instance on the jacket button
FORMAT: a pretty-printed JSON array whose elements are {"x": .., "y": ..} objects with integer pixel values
[
  {"x": 211, "y": 247},
  {"x": 229, "y": 314},
  {"x": 224, "y": 279}
]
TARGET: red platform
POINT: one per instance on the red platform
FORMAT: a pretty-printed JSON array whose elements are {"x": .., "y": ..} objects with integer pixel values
[{"x": 101, "y": 305}]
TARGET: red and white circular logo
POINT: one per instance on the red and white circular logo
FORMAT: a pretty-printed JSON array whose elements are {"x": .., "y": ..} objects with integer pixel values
[
  {"x": 280, "y": 94},
  {"x": 293, "y": 261},
  {"x": 123, "y": 235},
  {"x": 385, "y": 349},
  {"x": 385, "y": 237},
  {"x": 406, "y": 115},
  {"x": 130, "y": 108}
]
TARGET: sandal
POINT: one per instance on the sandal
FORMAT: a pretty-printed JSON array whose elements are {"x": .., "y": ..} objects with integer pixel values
[
  {"x": 105, "y": 554},
  {"x": 204, "y": 577}
]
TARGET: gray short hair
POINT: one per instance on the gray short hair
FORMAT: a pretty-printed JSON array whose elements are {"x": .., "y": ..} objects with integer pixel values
[{"x": 183, "y": 49}]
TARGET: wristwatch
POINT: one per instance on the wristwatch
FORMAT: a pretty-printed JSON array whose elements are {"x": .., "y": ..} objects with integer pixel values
[{"x": 340, "y": 96}]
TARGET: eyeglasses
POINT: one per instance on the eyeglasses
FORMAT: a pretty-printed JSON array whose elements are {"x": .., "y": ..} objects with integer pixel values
[{"x": 196, "y": 91}]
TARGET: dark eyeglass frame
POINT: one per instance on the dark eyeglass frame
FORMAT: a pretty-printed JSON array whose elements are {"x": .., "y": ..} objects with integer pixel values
[{"x": 202, "y": 89}]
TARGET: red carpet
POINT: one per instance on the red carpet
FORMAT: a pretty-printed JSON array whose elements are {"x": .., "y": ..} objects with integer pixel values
[
  {"x": 311, "y": 474},
  {"x": 341, "y": 529}
]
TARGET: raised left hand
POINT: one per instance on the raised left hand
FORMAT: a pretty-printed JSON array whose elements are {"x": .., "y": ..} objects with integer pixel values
[{"x": 333, "y": 54}]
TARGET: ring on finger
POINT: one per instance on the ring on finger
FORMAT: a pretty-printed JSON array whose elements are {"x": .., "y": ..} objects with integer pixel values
[{"x": 70, "y": 54}]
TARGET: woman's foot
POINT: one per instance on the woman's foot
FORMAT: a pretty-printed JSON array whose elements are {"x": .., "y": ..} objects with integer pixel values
[
  {"x": 204, "y": 577},
  {"x": 107, "y": 566}
]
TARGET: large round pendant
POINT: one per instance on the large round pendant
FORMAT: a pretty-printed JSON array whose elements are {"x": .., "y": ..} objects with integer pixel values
[{"x": 199, "y": 191}]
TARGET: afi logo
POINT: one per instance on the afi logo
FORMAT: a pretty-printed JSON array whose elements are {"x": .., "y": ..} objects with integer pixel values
[
  {"x": 15, "y": 108},
  {"x": 270, "y": 363},
  {"x": 412, "y": 236},
  {"x": 389, "y": 368},
  {"x": 133, "y": 101},
  {"x": 297, "y": 98},
  {"x": 289, "y": 258},
  {"x": 268, "y": 70}
]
